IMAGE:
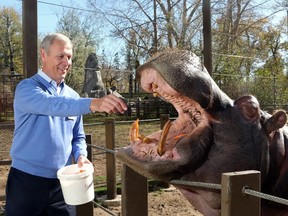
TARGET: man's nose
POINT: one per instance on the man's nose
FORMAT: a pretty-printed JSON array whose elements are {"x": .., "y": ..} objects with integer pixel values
[{"x": 66, "y": 60}]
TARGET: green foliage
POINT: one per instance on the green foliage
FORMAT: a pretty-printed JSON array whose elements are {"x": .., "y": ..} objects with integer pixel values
[
  {"x": 249, "y": 53},
  {"x": 11, "y": 39},
  {"x": 75, "y": 26},
  {"x": 270, "y": 84}
]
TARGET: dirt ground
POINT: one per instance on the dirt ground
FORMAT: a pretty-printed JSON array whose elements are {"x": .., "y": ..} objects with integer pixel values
[{"x": 160, "y": 201}]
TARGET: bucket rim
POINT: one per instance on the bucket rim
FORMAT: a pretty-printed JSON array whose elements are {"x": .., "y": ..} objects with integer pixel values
[{"x": 76, "y": 176}]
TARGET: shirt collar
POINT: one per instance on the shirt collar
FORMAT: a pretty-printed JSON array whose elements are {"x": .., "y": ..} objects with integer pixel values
[
  {"x": 45, "y": 76},
  {"x": 49, "y": 80}
]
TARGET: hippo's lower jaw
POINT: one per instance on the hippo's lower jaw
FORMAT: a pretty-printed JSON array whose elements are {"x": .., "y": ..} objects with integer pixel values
[{"x": 163, "y": 154}]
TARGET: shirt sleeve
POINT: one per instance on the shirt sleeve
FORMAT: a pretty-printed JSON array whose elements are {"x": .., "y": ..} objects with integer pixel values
[{"x": 31, "y": 98}]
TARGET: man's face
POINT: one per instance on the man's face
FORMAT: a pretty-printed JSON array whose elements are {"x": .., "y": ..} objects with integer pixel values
[{"x": 57, "y": 61}]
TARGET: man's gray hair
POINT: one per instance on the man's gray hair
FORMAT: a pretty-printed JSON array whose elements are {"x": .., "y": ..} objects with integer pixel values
[{"x": 50, "y": 38}]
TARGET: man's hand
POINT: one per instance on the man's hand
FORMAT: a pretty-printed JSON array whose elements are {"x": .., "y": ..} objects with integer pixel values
[
  {"x": 109, "y": 104},
  {"x": 81, "y": 160}
]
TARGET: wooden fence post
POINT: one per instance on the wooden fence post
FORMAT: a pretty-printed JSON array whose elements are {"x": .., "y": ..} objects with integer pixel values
[
  {"x": 29, "y": 20},
  {"x": 163, "y": 119},
  {"x": 138, "y": 107},
  {"x": 110, "y": 159},
  {"x": 87, "y": 209},
  {"x": 134, "y": 193},
  {"x": 233, "y": 201}
]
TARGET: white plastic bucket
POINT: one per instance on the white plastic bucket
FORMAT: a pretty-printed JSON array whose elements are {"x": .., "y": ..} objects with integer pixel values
[{"x": 77, "y": 183}]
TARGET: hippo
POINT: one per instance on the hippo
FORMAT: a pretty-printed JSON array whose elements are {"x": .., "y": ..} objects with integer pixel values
[{"x": 213, "y": 134}]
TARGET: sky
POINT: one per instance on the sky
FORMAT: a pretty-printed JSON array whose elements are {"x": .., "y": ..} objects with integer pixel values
[
  {"x": 47, "y": 12},
  {"x": 47, "y": 18}
]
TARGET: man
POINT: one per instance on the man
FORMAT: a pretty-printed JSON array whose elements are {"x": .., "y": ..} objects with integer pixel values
[{"x": 49, "y": 133}]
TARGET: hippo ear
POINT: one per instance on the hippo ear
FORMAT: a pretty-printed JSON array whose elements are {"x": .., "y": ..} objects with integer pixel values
[
  {"x": 276, "y": 121},
  {"x": 249, "y": 107}
]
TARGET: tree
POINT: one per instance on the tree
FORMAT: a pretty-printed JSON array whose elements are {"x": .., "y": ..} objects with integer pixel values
[
  {"x": 80, "y": 30},
  {"x": 11, "y": 39},
  {"x": 112, "y": 74},
  {"x": 152, "y": 26},
  {"x": 247, "y": 41},
  {"x": 273, "y": 66},
  {"x": 244, "y": 39},
  {"x": 116, "y": 61}
]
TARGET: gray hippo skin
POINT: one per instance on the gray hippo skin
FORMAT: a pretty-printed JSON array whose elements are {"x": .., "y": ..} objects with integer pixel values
[{"x": 213, "y": 134}]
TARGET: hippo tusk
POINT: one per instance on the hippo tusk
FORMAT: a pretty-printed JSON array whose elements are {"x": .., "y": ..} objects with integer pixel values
[
  {"x": 134, "y": 130},
  {"x": 134, "y": 133},
  {"x": 163, "y": 138}
]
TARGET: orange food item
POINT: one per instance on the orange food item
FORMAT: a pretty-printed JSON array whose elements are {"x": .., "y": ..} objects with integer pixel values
[
  {"x": 179, "y": 136},
  {"x": 80, "y": 171}
]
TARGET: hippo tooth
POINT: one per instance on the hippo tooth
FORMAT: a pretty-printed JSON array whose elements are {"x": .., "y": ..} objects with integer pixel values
[
  {"x": 141, "y": 137},
  {"x": 134, "y": 134},
  {"x": 154, "y": 86},
  {"x": 145, "y": 139},
  {"x": 134, "y": 131},
  {"x": 155, "y": 94},
  {"x": 163, "y": 138}
]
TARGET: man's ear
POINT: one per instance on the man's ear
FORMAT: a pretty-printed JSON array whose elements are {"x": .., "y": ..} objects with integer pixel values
[{"x": 43, "y": 55}]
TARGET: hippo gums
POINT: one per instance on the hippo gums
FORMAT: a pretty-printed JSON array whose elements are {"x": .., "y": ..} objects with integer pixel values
[{"x": 212, "y": 134}]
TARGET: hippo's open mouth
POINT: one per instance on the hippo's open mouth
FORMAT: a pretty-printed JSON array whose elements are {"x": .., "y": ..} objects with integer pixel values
[
  {"x": 161, "y": 145},
  {"x": 169, "y": 144}
]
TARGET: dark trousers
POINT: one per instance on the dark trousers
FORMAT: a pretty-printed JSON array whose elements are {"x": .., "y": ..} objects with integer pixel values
[{"x": 29, "y": 195}]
